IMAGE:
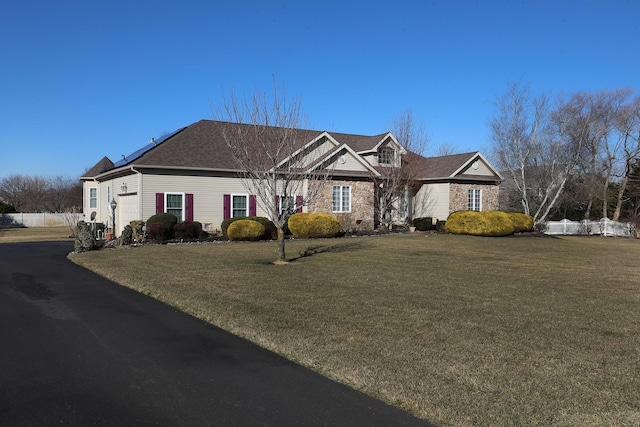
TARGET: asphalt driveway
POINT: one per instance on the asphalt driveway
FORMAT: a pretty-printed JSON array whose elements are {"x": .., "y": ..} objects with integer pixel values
[{"x": 77, "y": 349}]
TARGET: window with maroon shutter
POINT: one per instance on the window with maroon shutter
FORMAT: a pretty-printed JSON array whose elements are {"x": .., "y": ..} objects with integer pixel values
[
  {"x": 226, "y": 203},
  {"x": 252, "y": 205},
  {"x": 159, "y": 203},
  {"x": 299, "y": 202},
  {"x": 188, "y": 208}
]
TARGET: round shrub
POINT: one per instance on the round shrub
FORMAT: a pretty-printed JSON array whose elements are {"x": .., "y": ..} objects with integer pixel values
[
  {"x": 486, "y": 223},
  {"x": 521, "y": 222},
  {"x": 245, "y": 229},
  {"x": 187, "y": 230},
  {"x": 270, "y": 230},
  {"x": 164, "y": 218},
  {"x": 159, "y": 232},
  {"x": 424, "y": 224},
  {"x": 312, "y": 225}
]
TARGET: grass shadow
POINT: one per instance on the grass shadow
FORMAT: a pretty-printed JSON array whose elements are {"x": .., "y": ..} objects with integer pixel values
[{"x": 320, "y": 249}]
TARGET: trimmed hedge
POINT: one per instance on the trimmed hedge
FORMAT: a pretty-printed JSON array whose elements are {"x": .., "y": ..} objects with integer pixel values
[
  {"x": 313, "y": 225},
  {"x": 521, "y": 222},
  {"x": 424, "y": 224},
  {"x": 163, "y": 218},
  {"x": 486, "y": 223},
  {"x": 245, "y": 229},
  {"x": 159, "y": 232},
  {"x": 270, "y": 230},
  {"x": 160, "y": 227},
  {"x": 187, "y": 230}
]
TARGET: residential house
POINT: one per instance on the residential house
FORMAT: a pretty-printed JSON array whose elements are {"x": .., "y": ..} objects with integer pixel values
[{"x": 192, "y": 174}]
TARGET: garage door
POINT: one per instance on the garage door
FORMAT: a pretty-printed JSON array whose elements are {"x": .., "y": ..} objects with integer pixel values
[{"x": 127, "y": 211}]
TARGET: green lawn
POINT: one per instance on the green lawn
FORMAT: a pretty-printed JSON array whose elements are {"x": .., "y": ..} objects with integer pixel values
[{"x": 458, "y": 330}]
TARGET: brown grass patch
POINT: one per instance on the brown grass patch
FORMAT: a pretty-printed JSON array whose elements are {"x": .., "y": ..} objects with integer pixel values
[
  {"x": 459, "y": 330},
  {"x": 34, "y": 234}
]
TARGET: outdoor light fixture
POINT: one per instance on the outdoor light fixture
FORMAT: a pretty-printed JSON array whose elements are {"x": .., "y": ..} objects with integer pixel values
[{"x": 113, "y": 205}]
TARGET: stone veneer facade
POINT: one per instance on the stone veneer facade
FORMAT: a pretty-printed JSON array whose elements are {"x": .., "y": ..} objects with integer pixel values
[
  {"x": 458, "y": 196},
  {"x": 362, "y": 204}
]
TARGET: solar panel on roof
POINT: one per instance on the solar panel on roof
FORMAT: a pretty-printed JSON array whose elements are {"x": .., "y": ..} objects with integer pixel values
[{"x": 138, "y": 153}]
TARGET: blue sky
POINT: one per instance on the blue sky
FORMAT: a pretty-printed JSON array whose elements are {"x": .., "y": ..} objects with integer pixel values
[{"x": 81, "y": 79}]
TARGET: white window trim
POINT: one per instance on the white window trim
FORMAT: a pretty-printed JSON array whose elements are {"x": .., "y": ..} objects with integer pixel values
[
  {"x": 391, "y": 157},
  {"x": 246, "y": 196},
  {"x": 93, "y": 200},
  {"x": 293, "y": 201},
  {"x": 341, "y": 208},
  {"x": 479, "y": 192},
  {"x": 166, "y": 204}
]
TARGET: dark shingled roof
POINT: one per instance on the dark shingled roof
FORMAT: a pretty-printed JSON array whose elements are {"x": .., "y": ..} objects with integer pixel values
[
  {"x": 202, "y": 145},
  {"x": 441, "y": 167},
  {"x": 102, "y": 166}
]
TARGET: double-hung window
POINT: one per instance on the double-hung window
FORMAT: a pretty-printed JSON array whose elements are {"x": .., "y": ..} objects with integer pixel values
[
  {"x": 341, "y": 196},
  {"x": 474, "y": 199},
  {"x": 93, "y": 198},
  {"x": 386, "y": 156},
  {"x": 239, "y": 205},
  {"x": 174, "y": 204},
  {"x": 287, "y": 205}
]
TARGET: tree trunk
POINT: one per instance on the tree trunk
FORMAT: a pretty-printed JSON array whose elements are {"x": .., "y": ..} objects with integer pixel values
[
  {"x": 621, "y": 190},
  {"x": 605, "y": 199},
  {"x": 281, "y": 253}
]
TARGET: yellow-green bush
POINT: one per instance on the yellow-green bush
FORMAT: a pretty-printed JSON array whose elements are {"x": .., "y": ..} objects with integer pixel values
[
  {"x": 521, "y": 222},
  {"x": 310, "y": 225},
  {"x": 486, "y": 223},
  {"x": 245, "y": 229}
]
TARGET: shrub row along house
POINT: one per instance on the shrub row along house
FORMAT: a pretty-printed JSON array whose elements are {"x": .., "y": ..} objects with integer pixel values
[{"x": 193, "y": 174}]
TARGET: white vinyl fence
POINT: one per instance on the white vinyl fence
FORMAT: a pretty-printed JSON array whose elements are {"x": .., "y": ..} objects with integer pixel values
[
  {"x": 604, "y": 227},
  {"x": 39, "y": 219}
]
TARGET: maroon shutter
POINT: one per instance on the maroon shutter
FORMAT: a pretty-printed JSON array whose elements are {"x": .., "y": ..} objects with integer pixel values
[
  {"x": 189, "y": 207},
  {"x": 227, "y": 206},
  {"x": 298, "y": 204},
  {"x": 252, "y": 205},
  {"x": 159, "y": 203}
]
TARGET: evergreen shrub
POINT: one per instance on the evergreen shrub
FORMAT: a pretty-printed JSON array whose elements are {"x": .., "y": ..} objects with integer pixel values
[
  {"x": 163, "y": 232},
  {"x": 522, "y": 222},
  {"x": 313, "y": 225},
  {"x": 245, "y": 229},
  {"x": 187, "y": 230},
  {"x": 164, "y": 218},
  {"x": 270, "y": 230},
  {"x": 85, "y": 241},
  {"x": 126, "y": 238},
  {"x": 159, "y": 232},
  {"x": 424, "y": 224},
  {"x": 486, "y": 223}
]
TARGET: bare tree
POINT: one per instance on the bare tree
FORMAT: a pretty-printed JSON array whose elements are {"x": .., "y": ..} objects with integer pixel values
[
  {"x": 399, "y": 169},
  {"x": 25, "y": 193},
  {"x": 267, "y": 139},
  {"x": 628, "y": 127},
  {"x": 518, "y": 140},
  {"x": 41, "y": 194}
]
